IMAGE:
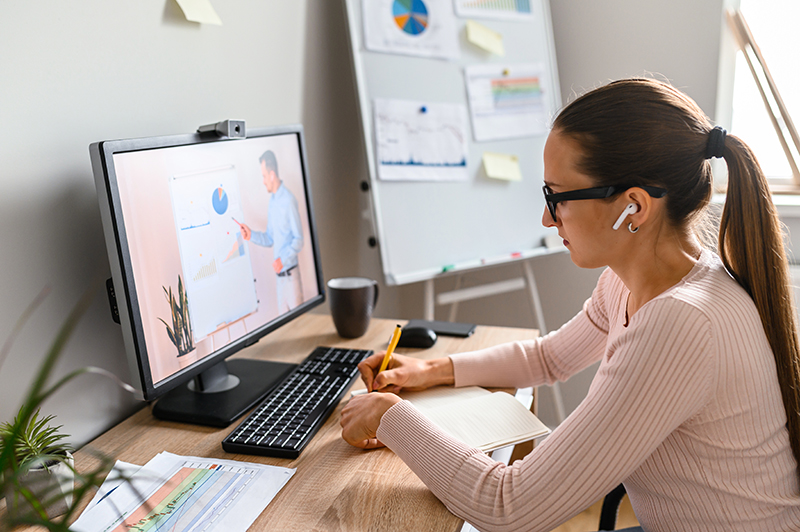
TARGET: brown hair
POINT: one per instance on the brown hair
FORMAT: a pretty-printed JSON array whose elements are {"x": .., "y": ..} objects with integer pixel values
[{"x": 644, "y": 132}]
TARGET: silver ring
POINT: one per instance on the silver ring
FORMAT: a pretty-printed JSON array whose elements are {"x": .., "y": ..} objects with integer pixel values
[{"x": 630, "y": 227}]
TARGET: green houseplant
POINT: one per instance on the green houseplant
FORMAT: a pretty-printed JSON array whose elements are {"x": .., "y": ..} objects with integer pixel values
[
  {"x": 15, "y": 463},
  {"x": 44, "y": 462}
]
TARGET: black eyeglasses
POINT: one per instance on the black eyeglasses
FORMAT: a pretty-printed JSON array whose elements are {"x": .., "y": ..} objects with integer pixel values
[{"x": 552, "y": 199}]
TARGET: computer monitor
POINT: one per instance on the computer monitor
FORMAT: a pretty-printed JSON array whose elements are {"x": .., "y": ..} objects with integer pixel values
[{"x": 212, "y": 245}]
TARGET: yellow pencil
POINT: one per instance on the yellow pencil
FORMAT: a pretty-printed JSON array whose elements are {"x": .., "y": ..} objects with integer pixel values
[{"x": 392, "y": 344}]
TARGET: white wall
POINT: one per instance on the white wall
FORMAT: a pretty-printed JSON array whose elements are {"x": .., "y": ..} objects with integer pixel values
[{"x": 78, "y": 72}]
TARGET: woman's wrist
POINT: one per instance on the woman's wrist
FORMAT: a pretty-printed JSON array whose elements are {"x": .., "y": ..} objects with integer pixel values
[{"x": 441, "y": 371}]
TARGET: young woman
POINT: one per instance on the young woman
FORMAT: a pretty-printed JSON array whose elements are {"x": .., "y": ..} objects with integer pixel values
[{"x": 696, "y": 404}]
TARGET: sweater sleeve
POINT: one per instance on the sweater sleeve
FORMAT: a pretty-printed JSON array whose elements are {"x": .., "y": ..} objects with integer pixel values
[
  {"x": 650, "y": 381},
  {"x": 556, "y": 357}
]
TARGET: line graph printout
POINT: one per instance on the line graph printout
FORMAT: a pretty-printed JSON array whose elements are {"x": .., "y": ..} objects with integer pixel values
[
  {"x": 519, "y": 10},
  {"x": 507, "y": 101},
  {"x": 217, "y": 271},
  {"x": 424, "y": 28},
  {"x": 418, "y": 141},
  {"x": 185, "y": 494}
]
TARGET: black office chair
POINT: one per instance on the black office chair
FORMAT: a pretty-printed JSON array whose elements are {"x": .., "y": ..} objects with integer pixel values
[{"x": 610, "y": 509}]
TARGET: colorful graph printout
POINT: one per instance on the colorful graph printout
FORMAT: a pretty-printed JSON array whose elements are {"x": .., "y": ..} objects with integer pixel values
[
  {"x": 220, "y": 289},
  {"x": 521, "y": 10},
  {"x": 424, "y": 28},
  {"x": 418, "y": 141},
  {"x": 507, "y": 101},
  {"x": 184, "y": 494}
]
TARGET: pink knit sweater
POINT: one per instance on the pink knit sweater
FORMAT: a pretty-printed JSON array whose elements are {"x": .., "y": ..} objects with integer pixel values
[{"x": 685, "y": 409}]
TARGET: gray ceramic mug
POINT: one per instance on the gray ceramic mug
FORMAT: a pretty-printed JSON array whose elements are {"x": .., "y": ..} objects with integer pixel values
[{"x": 352, "y": 300}]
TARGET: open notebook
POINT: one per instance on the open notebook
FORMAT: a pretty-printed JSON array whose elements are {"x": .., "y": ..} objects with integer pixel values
[{"x": 477, "y": 416}]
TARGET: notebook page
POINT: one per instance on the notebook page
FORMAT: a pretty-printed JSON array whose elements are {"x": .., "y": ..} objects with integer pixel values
[
  {"x": 488, "y": 422},
  {"x": 443, "y": 395}
]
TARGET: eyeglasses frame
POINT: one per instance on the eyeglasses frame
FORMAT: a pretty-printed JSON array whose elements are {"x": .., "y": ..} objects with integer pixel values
[{"x": 553, "y": 199}]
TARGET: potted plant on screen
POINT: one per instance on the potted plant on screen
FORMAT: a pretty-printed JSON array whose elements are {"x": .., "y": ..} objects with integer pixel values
[
  {"x": 29, "y": 443},
  {"x": 180, "y": 333}
]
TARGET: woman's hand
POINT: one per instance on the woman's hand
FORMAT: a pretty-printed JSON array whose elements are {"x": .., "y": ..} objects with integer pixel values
[
  {"x": 405, "y": 373},
  {"x": 361, "y": 417}
]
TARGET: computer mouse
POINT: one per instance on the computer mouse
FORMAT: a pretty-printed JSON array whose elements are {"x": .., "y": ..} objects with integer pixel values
[{"x": 417, "y": 337}]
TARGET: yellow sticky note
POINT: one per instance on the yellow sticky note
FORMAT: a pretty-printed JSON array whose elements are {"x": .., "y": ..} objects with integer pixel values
[
  {"x": 199, "y": 11},
  {"x": 502, "y": 166},
  {"x": 483, "y": 37}
]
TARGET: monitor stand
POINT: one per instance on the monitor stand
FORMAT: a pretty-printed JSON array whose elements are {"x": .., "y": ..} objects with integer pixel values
[{"x": 222, "y": 393}]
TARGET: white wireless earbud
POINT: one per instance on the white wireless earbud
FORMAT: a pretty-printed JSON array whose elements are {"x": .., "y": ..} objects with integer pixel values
[{"x": 630, "y": 209}]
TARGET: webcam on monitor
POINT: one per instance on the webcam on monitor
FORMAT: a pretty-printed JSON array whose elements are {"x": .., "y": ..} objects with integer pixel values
[{"x": 227, "y": 129}]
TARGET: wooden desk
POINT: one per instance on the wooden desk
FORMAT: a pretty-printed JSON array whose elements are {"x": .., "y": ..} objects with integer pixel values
[{"x": 336, "y": 486}]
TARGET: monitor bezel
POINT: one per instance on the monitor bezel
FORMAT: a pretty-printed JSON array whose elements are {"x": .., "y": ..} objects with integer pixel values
[{"x": 102, "y": 154}]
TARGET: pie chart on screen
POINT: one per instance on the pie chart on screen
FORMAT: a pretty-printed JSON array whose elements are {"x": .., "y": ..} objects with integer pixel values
[
  {"x": 411, "y": 16},
  {"x": 219, "y": 199}
]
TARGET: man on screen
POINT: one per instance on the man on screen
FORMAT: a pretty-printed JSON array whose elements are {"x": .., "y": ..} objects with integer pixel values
[{"x": 283, "y": 233}]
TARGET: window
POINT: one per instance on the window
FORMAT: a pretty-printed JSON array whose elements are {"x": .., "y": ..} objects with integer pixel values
[{"x": 774, "y": 27}]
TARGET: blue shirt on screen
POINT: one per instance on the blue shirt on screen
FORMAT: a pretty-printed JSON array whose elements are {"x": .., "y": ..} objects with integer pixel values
[{"x": 284, "y": 231}]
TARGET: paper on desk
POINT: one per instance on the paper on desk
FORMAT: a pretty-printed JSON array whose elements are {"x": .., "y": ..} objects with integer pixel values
[
  {"x": 483, "y": 37},
  {"x": 502, "y": 166},
  {"x": 118, "y": 474},
  {"x": 199, "y": 11},
  {"x": 182, "y": 493}
]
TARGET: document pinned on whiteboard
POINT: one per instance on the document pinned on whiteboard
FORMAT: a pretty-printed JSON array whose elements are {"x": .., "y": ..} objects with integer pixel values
[
  {"x": 411, "y": 27},
  {"x": 421, "y": 141},
  {"x": 507, "y": 101}
]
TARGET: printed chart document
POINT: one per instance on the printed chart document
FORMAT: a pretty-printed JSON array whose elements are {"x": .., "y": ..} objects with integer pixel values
[
  {"x": 517, "y": 10},
  {"x": 182, "y": 494},
  {"x": 420, "y": 141},
  {"x": 507, "y": 101},
  {"x": 425, "y": 28}
]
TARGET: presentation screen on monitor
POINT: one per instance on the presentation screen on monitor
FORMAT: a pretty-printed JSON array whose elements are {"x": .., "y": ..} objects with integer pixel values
[{"x": 212, "y": 245}]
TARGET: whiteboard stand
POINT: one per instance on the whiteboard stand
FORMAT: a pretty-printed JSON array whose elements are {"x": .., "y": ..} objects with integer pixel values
[{"x": 458, "y": 294}]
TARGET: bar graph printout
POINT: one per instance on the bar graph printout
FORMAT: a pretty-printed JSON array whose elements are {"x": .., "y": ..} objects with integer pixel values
[
  {"x": 420, "y": 141},
  {"x": 507, "y": 101},
  {"x": 519, "y": 10},
  {"x": 183, "y": 494}
]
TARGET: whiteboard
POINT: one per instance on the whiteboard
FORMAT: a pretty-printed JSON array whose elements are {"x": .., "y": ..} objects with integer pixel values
[{"x": 427, "y": 228}]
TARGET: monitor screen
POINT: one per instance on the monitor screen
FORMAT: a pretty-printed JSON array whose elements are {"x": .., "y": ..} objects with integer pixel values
[{"x": 212, "y": 245}]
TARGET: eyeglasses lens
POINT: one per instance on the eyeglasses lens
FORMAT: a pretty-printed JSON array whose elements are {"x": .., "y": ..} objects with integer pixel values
[{"x": 551, "y": 206}]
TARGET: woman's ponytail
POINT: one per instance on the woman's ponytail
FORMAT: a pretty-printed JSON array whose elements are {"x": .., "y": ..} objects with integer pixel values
[{"x": 751, "y": 247}]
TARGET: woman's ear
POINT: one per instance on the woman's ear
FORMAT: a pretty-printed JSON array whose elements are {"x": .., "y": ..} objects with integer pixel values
[{"x": 643, "y": 201}]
